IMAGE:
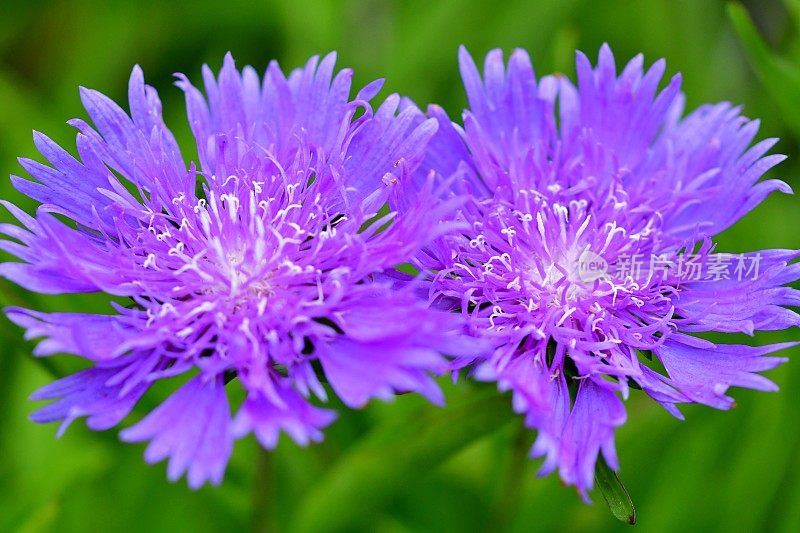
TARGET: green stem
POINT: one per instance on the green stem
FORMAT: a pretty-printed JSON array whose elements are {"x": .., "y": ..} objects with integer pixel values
[
  {"x": 506, "y": 505},
  {"x": 263, "y": 520},
  {"x": 393, "y": 457}
]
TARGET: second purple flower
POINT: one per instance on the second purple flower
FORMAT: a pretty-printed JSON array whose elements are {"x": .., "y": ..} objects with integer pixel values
[{"x": 589, "y": 258}]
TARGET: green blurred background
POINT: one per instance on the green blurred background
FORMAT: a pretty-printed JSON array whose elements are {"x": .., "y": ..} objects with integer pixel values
[{"x": 717, "y": 471}]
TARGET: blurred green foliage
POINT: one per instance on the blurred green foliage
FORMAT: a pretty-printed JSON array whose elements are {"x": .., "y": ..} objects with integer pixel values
[{"x": 380, "y": 469}]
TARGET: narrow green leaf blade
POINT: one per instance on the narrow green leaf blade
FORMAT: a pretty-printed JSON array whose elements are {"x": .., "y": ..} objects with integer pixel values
[
  {"x": 780, "y": 78},
  {"x": 614, "y": 492}
]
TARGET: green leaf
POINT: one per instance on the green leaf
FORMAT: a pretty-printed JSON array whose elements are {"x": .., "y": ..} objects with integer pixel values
[
  {"x": 614, "y": 492},
  {"x": 780, "y": 77},
  {"x": 393, "y": 456}
]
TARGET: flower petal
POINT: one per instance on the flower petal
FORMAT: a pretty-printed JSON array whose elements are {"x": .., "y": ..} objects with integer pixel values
[{"x": 192, "y": 428}]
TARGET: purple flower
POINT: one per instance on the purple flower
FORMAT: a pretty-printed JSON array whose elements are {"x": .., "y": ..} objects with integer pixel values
[
  {"x": 590, "y": 259},
  {"x": 266, "y": 263}
]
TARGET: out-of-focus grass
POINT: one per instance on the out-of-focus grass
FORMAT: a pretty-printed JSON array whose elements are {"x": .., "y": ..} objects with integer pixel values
[{"x": 733, "y": 471}]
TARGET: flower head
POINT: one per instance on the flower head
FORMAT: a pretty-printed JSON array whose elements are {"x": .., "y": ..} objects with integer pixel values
[
  {"x": 590, "y": 258},
  {"x": 265, "y": 263}
]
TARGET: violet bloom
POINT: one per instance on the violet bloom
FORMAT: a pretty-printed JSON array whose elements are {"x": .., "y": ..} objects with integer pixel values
[
  {"x": 590, "y": 259},
  {"x": 263, "y": 264}
]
